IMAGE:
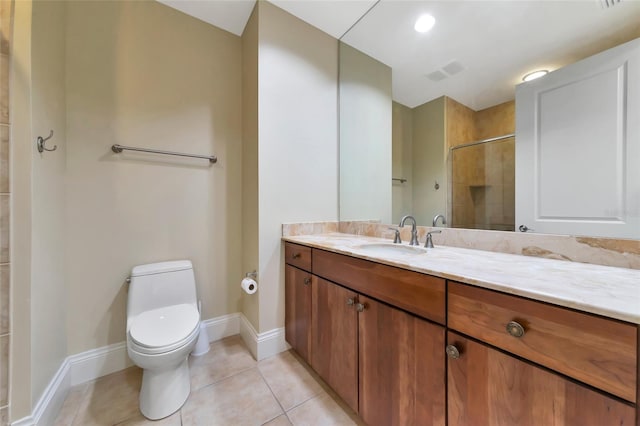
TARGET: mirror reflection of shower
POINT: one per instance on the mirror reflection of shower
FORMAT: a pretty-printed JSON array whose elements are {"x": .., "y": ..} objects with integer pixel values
[
  {"x": 425, "y": 141},
  {"x": 483, "y": 184}
]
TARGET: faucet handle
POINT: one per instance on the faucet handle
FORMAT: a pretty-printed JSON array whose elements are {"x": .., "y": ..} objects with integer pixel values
[
  {"x": 429, "y": 242},
  {"x": 396, "y": 238}
]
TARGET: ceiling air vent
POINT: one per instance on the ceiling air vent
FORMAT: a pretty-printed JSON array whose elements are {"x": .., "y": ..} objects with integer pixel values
[
  {"x": 436, "y": 75},
  {"x": 452, "y": 68}
]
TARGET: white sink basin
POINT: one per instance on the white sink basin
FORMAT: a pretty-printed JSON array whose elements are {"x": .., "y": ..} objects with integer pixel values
[{"x": 389, "y": 249}]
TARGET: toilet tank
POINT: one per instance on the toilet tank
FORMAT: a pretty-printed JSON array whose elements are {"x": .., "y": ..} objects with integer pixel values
[{"x": 156, "y": 285}]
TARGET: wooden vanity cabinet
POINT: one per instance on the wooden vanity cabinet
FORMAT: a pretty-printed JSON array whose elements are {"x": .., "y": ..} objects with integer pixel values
[
  {"x": 376, "y": 334},
  {"x": 387, "y": 364},
  {"x": 489, "y": 387}
]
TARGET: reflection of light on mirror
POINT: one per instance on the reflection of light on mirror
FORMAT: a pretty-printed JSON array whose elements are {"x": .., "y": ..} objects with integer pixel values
[
  {"x": 535, "y": 74},
  {"x": 424, "y": 23}
]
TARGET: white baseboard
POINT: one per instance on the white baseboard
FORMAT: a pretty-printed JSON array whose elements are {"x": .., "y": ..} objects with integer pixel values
[
  {"x": 224, "y": 326},
  {"x": 95, "y": 363},
  {"x": 49, "y": 405},
  {"x": 262, "y": 345},
  {"x": 99, "y": 362},
  {"x": 25, "y": 421}
]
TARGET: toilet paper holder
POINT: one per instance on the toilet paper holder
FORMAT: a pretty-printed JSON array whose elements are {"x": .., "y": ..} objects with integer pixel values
[{"x": 252, "y": 274}]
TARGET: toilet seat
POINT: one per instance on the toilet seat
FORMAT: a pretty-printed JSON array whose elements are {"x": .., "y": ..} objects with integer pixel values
[{"x": 165, "y": 329}]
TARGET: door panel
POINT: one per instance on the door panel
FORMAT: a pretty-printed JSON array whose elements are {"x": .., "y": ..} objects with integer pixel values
[
  {"x": 334, "y": 339},
  {"x": 402, "y": 371},
  {"x": 297, "y": 312},
  {"x": 578, "y": 147}
]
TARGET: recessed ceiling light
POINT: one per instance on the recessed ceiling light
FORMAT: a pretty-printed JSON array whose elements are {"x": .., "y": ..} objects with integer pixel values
[
  {"x": 424, "y": 23},
  {"x": 535, "y": 74}
]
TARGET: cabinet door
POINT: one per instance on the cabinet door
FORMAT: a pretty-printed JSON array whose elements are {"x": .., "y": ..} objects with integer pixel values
[
  {"x": 488, "y": 387},
  {"x": 297, "y": 310},
  {"x": 334, "y": 338},
  {"x": 402, "y": 367},
  {"x": 578, "y": 147}
]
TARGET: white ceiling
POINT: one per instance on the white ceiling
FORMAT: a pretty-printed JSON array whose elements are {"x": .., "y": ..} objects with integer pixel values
[
  {"x": 334, "y": 17},
  {"x": 230, "y": 15},
  {"x": 496, "y": 42}
]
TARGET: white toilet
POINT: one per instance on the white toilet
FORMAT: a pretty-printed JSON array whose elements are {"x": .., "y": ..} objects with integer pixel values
[{"x": 162, "y": 329}]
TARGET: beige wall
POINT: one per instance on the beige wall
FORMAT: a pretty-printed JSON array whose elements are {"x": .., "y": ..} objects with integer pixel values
[
  {"x": 142, "y": 74},
  {"x": 365, "y": 137},
  {"x": 22, "y": 155},
  {"x": 402, "y": 161},
  {"x": 250, "y": 232},
  {"x": 48, "y": 290},
  {"x": 5, "y": 214},
  {"x": 428, "y": 161},
  {"x": 298, "y": 146}
]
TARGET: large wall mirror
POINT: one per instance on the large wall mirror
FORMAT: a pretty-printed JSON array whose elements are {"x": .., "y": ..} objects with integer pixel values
[{"x": 428, "y": 119}]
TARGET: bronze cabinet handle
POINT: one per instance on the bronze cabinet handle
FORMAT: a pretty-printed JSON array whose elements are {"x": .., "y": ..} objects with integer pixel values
[
  {"x": 515, "y": 329},
  {"x": 360, "y": 307},
  {"x": 351, "y": 301},
  {"x": 452, "y": 352},
  {"x": 295, "y": 255},
  {"x": 307, "y": 281}
]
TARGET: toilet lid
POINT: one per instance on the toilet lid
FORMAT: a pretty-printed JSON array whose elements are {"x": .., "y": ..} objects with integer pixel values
[{"x": 164, "y": 326}]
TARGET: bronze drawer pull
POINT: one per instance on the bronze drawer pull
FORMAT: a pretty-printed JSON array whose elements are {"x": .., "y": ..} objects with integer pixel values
[
  {"x": 452, "y": 352},
  {"x": 307, "y": 281},
  {"x": 295, "y": 256},
  {"x": 351, "y": 301},
  {"x": 360, "y": 307},
  {"x": 515, "y": 329}
]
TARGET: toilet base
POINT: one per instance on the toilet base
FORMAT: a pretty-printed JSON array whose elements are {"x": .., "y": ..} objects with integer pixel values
[{"x": 164, "y": 392}]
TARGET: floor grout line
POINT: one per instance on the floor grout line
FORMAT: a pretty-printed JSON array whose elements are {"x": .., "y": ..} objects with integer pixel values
[{"x": 271, "y": 390}]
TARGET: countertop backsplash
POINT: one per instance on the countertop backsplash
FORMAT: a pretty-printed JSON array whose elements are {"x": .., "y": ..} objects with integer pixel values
[{"x": 622, "y": 253}]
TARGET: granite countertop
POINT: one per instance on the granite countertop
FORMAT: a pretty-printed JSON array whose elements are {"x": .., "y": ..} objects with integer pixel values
[{"x": 603, "y": 290}]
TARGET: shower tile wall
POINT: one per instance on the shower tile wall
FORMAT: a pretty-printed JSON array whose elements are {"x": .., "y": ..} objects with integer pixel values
[
  {"x": 5, "y": 131},
  {"x": 482, "y": 176},
  {"x": 483, "y": 186}
]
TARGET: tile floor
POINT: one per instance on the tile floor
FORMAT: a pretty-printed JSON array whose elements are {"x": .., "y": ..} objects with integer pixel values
[{"x": 228, "y": 387}]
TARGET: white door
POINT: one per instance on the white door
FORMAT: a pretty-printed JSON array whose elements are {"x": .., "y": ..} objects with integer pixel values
[{"x": 578, "y": 147}]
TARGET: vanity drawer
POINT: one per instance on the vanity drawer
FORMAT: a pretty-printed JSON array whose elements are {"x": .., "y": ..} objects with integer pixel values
[
  {"x": 417, "y": 293},
  {"x": 298, "y": 256},
  {"x": 598, "y": 351}
]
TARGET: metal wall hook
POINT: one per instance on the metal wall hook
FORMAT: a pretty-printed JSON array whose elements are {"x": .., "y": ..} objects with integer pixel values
[{"x": 41, "y": 141}]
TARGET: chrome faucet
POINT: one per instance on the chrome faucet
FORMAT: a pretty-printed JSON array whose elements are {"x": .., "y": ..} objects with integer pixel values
[
  {"x": 438, "y": 216},
  {"x": 429, "y": 242},
  {"x": 396, "y": 238},
  {"x": 414, "y": 231}
]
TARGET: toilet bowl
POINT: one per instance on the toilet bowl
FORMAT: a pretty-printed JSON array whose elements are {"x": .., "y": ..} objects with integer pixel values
[{"x": 163, "y": 324}]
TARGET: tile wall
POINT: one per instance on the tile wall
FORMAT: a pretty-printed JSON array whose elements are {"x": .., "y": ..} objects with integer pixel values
[
  {"x": 621, "y": 253},
  {"x": 5, "y": 131},
  {"x": 483, "y": 186},
  {"x": 482, "y": 177}
]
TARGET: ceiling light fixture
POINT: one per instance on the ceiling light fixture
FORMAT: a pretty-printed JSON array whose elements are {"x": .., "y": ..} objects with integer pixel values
[
  {"x": 535, "y": 74},
  {"x": 424, "y": 23}
]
